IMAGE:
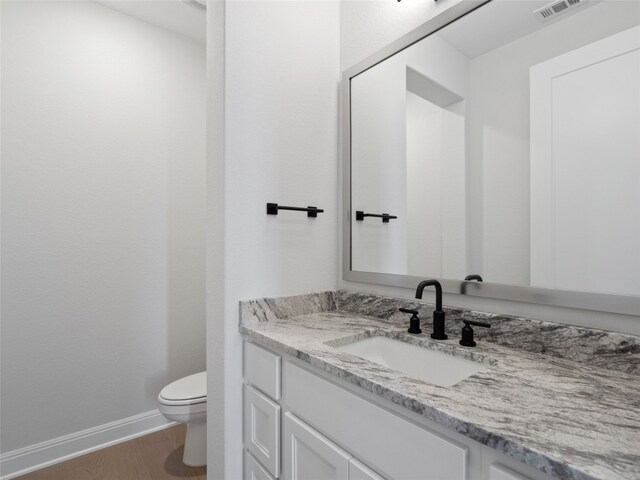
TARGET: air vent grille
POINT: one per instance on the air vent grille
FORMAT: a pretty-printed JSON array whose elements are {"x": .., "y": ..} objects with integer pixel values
[
  {"x": 556, "y": 8},
  {"x": 199, "y": 4}
]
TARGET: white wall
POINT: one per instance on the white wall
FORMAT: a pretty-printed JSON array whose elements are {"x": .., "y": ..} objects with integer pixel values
[
  {"x": 435, "y": 189},
  {"x": 367, "y": 26},
  {"x": 103, "y": 204},
  {"x": 378, "y": 146},
  {"x": 379, "y": 151},
  {"x": 281, "y": 73}
]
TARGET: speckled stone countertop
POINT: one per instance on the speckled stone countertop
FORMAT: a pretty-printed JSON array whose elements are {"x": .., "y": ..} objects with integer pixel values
[{"x": 563, "y": 399}]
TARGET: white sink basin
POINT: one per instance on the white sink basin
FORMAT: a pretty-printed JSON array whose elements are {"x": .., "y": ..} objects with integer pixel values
[{"x": 431, "y": 366}]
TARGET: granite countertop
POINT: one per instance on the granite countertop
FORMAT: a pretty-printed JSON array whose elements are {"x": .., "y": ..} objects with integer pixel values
[{"x": 563, "y": 399}]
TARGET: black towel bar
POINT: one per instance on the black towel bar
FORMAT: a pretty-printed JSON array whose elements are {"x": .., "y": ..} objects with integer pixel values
[
  {"x": 272, "y": 209},
  {"x": 385, "y": 216}
]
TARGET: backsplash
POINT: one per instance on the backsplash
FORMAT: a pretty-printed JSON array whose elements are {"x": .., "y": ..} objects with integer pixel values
[
  {"x": 266, "y": 309},
  {"x": 614, "y": 351}
]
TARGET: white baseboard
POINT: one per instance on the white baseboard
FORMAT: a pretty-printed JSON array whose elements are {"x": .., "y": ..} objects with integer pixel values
[{"x": 40, "y": 455}]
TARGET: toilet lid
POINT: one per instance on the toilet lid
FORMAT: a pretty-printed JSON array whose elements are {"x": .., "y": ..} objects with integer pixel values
[{"x": 191, "y": 388}]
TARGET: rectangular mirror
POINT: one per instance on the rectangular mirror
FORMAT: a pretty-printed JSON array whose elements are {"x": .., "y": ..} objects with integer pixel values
[{"x": 501, "y": 139}]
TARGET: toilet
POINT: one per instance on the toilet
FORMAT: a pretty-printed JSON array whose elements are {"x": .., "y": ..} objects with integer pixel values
[{"x": 185, "y": 401}]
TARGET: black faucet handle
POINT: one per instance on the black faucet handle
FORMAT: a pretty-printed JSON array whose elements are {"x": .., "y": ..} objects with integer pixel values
[
  {"x": 467, "y": 332},
  {"x": 476, "y": 323},
  {"x": 414, "y": 321}
]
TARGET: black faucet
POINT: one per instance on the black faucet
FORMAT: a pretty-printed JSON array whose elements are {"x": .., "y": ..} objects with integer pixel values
[
  {"x": 438, "y": 314},
  {"x": 468, "y": 278},
  {"x": 473, "y": 276}
]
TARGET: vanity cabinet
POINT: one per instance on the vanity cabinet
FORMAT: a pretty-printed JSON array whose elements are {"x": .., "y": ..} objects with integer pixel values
[
  {"x": 262, "y": 369},
  {"x": 332, "y": 430},
  {"x": 498, "y": 466},
  {"x": 253, "y": 470},
  {"x": 261, "y": 413},
  {"x": 498, "y": 472},
  {"x": 262, "y": 428},
  {"x": 308, "y": 454},
  {"x": 392, "y": 445},
  {"x": 359, "y": 471}
]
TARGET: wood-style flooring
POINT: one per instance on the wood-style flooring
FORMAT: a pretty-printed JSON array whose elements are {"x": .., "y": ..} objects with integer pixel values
[{"x": 157, "y": 456}]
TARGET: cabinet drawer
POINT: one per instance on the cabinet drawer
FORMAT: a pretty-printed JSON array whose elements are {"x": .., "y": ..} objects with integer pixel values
[
  {"x": 253, "y": 470},
  {"x": 262, "y": 369},
  {"x": 498, "y": 466},
  {"x": 262, "y": 429},
  {"x": 394, "y": 446},
  {"x": 498, "y": 472},
  {"x": 358, "y": 471}
]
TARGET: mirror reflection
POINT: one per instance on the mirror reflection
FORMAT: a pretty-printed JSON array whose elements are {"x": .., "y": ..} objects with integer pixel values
[{"x": 507, "y": 144}]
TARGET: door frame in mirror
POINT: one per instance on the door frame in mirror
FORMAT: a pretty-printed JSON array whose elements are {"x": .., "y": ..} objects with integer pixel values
[{"x": 622, "y": 304}]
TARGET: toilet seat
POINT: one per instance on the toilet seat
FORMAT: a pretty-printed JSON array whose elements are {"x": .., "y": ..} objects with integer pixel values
[{"x": 191, "y": 390}]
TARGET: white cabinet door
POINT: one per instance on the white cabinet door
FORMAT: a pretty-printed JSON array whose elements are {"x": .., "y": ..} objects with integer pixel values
[
  {"x": 388, "y": 443},
  {"x": 498, "y": 466},
  {"x": 262, "y": 429},
  {"x": 310, "y": 456},
  {"x": 253, "y": 470},
  {"x": 498, "y": 472},
  {"x": 359, "y": 471}
]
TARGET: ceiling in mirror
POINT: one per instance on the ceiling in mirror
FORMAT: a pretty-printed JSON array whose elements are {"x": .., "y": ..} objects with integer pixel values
[{"x": 507, "y": 144}]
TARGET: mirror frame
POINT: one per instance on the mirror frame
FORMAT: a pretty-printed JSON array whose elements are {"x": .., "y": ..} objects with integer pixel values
[{"x": 622, "y": 304}]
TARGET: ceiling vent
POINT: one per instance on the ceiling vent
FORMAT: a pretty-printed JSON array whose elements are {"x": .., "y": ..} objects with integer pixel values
[
  {"x": 554, "y": 9},
  {"x": 199, "y": 4}
]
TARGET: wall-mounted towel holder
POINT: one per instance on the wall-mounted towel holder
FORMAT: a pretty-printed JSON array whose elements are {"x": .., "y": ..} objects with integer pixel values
[
  {"x": 384, "y": 216},
  {"x": 272, "y": 209}
]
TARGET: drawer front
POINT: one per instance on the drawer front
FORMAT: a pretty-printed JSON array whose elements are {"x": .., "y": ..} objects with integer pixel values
[
  {"x": 498, "y": 466},
  {"x": 262, "y": 369},
  {"x": 308, "y": 455},
  {"x": 394, "y": 446},
  {"x": 253, "y": 470},
  {"x": 498, "y": 472},
  {"x": 358, "y": 471},
  {"x": 262, "y": 429}
]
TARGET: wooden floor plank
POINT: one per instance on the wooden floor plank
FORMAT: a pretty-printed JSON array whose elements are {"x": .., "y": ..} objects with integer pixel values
[{"x": 157, "y": 456}]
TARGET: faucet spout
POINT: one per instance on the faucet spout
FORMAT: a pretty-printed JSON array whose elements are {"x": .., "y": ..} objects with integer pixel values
[
  {"x": 431, "y": 283},
  {"x": 438, "y": 314}
]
